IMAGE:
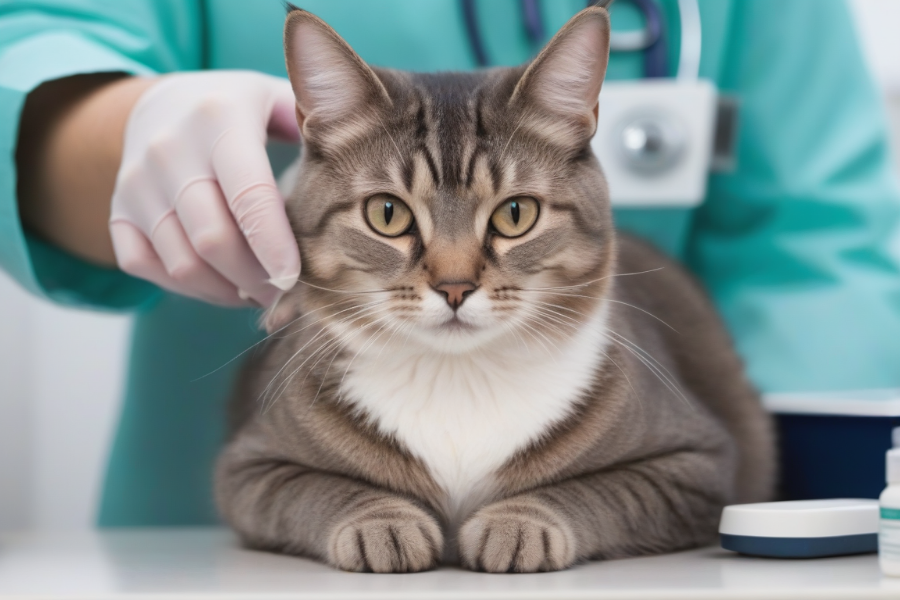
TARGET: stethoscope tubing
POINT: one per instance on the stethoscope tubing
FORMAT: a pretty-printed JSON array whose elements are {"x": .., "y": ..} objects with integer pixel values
[
  {"x": 656, "y": 62},
  {"x": 476, "y": 43},
  {"x": 650, "y": 40}
]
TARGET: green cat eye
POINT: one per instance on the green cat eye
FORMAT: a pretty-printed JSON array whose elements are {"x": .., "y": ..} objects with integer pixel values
[
  {"x": 388, "y": 215},
  {"x": 515, "y": 216}
]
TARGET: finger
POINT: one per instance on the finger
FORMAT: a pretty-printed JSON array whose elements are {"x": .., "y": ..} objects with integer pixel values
[
  {"x": 186, "y": 268},
  {"x": 135, "y": 255},
  {"x": 215, "y": 236},
  {"x": 283, "y": 115},
  {"x": 242, "y": 167}
]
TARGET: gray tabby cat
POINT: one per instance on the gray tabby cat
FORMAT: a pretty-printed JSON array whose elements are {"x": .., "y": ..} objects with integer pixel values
[{"x": 465, "y": 373}]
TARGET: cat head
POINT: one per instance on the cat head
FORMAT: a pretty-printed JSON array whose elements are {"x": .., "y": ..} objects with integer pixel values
[{"x": 450, "y": 210}]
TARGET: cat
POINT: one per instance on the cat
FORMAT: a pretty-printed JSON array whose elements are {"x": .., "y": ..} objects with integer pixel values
[{"x": 475, "y": 367}]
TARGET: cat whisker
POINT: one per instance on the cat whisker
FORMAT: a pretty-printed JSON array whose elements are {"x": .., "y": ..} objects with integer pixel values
[
  {"x": 324, "y": 377},
  {"x": 326, "y": 344},
  {"x": 264, "y": 395},
  {"x": 559, "y": 317},
  {"x": 336, "y": 347},
  {"x": 554, "y": 320},
  {"x": 267, "y": 337},
  {"x": 586, "y": 283},
  {"x": 309, "y": 313},
  {"x": 654, "y": 370},
  {"x": 644, "y": 357},
  {"x": 522, "y": 323},
  {"x": 358, "y": 352},
  {"x": 358, "y": 308},
  {"x": 362, "y": 312},
  {"x": 511, "y": 136},
  {"x": 511, "y": 328},
  {"x": 335, "y": 343},
  {"x": 390, "y": 137},
  {"x": 408, "y": 326},
  {"x": 559, "y": 306},
  {"x": 656, "y": 367},
  {"x": 383, "y": 346},
  {"x": 627, "y": 378},
  {"x": 535, "y": 330},
  {"x": 535, "y": 338},
  {"x": 319, "y": 287},
  {"x": 646, "y": 312}
]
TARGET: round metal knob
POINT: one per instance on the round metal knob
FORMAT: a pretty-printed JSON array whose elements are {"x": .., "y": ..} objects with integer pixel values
[{"x": 650, "y": 143}]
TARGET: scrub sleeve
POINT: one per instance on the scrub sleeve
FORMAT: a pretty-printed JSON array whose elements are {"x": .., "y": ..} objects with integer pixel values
[{"x": 799, "y": 246}]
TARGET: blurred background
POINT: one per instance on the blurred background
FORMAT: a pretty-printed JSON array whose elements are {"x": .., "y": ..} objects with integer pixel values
[{"x": 61, "y": 370}]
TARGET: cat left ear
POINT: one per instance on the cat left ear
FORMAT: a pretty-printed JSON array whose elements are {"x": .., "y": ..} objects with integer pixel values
[
  {"x": 332, "y": 84},
  {"x": 563, "y": 82}
]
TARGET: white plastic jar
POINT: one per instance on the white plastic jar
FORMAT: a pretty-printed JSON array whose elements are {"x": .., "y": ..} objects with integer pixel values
[{"x": 889, "y": 528}]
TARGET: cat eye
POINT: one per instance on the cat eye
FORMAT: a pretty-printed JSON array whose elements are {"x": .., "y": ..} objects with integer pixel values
[
  {"x": 388, "y": 215},
  {"x": 515, "y": 216}
]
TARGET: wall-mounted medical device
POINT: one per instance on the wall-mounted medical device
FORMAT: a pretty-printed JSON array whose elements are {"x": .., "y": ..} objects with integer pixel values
[{"x": 658, "y": 140}]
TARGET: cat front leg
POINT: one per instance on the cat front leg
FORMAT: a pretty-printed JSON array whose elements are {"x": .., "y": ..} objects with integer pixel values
[
  {"x": 349, "y": 524},
  {"x": 654, "y": 506},
  {"x": 517, "y": 535}
]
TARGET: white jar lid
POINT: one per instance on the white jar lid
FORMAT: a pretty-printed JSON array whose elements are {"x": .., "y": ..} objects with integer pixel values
[{"x": 801, "y": 518}]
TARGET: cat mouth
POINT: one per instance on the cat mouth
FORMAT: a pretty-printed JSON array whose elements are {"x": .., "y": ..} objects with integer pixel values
[{"x": 455, "y": 324}]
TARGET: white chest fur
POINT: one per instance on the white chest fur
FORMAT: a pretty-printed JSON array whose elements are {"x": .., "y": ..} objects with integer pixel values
[{"x": 464, "y": 416}]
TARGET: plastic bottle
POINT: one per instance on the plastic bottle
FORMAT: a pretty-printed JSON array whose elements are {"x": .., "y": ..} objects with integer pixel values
[{"x": 889, "y": 529}]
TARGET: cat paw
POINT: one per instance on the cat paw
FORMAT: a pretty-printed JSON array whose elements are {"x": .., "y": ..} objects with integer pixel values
[
  {"x": 515, "y": 537},
  {"x": 394, "y": 537}
]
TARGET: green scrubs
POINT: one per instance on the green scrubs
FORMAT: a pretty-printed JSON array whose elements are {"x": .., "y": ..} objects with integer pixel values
[{"x": 798, "y": 246}]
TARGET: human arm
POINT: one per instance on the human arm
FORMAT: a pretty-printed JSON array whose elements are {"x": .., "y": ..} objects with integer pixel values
[
  {"x": 68, "y": 153},
  {"x": 192, "y": 245},
  {"x": 57, "y": 39}
]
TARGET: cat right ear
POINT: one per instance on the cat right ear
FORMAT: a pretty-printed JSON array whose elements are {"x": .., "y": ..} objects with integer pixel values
[
  {"x": 561, "y": 87},
  {"x": 332, "y": 84}
]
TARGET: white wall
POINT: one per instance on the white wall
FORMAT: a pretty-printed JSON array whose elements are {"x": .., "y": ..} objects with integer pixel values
[
  {"x": 61, "y": 376},
  {"x": 61, "y": 370},
  {"x": 16, "y": 415},
  {"x": 878, "y": 22}
]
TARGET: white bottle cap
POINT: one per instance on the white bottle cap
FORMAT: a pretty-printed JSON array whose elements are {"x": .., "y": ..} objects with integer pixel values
[{"x": 893, "y": 466}]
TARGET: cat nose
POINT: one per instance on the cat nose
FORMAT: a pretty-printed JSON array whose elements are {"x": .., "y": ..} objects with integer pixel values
[{"x": 455, "y": 292}]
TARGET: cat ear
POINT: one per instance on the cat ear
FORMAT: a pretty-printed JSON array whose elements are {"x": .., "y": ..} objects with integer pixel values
[
  {"x": 332, "y": 84},
  {"x": 562, "y": 84}
]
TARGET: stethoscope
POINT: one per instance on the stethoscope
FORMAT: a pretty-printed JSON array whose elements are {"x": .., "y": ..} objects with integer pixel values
[
  {"x": 650, "y": 40},
  {"x": 657, "y": 137}
]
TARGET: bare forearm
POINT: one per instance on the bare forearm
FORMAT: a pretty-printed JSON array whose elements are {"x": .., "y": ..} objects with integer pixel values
[{"x": 68, "y": 154}]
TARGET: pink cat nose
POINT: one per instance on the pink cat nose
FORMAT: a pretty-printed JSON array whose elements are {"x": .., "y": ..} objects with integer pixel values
[{"x": 455, "y": 292}]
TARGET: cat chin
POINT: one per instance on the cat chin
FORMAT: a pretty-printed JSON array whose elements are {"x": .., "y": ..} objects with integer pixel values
[{"x": 456, "y": 339}]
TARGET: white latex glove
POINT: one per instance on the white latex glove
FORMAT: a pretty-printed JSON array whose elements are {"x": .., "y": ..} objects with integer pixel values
[{"x": 195, "y": 208}]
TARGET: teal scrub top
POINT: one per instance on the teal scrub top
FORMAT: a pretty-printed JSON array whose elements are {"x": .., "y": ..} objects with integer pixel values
[{"x": 798, "y": 246}]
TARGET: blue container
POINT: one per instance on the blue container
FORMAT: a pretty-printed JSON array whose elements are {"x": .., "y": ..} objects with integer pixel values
[{"x": 834, "y": 445}]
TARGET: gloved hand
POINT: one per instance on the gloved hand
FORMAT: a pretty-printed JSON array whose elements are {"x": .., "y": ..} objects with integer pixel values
[{"x": 195, "y": 208}]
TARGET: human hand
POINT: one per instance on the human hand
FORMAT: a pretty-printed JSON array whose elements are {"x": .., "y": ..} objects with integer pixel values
[{"x": 196, "y": 209}]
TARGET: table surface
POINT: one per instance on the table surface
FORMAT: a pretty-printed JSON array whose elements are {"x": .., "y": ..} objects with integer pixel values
[{"x": 208, "y": 563}]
